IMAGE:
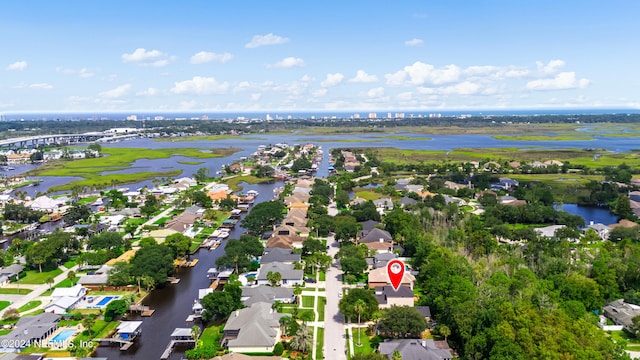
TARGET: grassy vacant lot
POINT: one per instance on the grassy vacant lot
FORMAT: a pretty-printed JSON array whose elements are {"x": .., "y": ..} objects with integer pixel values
[
  {"x": 543, "y": 137},
  {"x": 587, "y": 157},
  {"x": 91, "y": 170},
  {"x": 35, "y": 277},
  {"x": 368, "y": 195}
]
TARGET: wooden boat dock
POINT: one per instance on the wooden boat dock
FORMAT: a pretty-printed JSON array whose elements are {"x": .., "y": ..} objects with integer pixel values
[
  {"x": 172, "y": 344},
  {"x": 124, "y": 344},
  {"x": 144, "y": 310}
]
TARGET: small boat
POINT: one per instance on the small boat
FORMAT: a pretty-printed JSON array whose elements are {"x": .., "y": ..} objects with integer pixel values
[{"x": 253, "y": 193}]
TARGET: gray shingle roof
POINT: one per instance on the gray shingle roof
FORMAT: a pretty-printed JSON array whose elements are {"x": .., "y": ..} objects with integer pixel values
[
  {"x": 279, "y": 255},
  {"x": 256, "y": 326},
  {"x": 286, "y": 270}
]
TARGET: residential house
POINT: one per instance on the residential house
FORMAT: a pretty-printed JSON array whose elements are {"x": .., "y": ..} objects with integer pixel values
[
  {"x": 45, "y": 203},
  {"x": 548, "y": 231},
  {"x": 601, "y": 229},
  {"x": 416, "y": 349},
  {"x": 64, "y": 299},
  {"x": 414, "y": 188},
  {"x": 267, "y": 294},
  {"x": 378, "y": 239},
  {"x": 380, "y": 259},
  {"x": 284, "y": 241},
  {"x": 622, "y": 313},
  {"x": 290, "y": 276},
  {"x": 504, "y": 183},
  {"x": 383, "y": 204},
  {"x": 288, "y": 230},
  {"x": 10, "y": 272},
  {"x": 387, "y": 296},
  {"x": 380, "y": 277},
  {"x": 183, "y": 222},
  {"x": 97, "y": 278},
  {"x": 280, "y": 255},
  {"x": 407, "y": 201},
  {"x": 254, "y": 329},
  {"x": 161, "y": 235},
  {"x": 29, "y": 329}
]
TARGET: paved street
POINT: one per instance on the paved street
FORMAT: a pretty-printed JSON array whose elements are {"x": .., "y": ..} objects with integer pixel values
[
  {"x": 334, "y": 331},
  {"x": 37, "y": 290}
]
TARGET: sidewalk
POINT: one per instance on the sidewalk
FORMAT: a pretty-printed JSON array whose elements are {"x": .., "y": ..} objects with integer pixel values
[{"x": 38, "y": 290}]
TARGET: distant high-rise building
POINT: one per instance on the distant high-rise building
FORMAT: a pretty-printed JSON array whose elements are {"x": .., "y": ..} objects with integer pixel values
[
  {"x": 158, "y": 118},
  {"x": 373, "y": 115},
  {"x": 268, "y": 117},
  {"x": 289, "y": 117},
  {"x": 356, "y": 116},
  {"x": 205, "y": 117},
  {"x": 399, "y": 115},
  {"x": 132, "y": 117}
]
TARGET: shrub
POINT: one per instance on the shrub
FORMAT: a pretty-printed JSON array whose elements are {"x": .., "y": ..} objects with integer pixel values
[{"x": 278, "y": 349}]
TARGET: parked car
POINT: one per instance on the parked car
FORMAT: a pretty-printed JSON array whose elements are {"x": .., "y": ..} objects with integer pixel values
[{"x": 310, "y": 280}]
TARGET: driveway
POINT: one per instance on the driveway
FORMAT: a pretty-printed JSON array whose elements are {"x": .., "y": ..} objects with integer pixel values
[{"x": 334, "y": 330}]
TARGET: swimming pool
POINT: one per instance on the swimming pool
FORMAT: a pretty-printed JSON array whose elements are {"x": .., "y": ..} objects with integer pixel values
[
  {"x": 62, "y": 336},
  {"x": 105, "y": 300}
]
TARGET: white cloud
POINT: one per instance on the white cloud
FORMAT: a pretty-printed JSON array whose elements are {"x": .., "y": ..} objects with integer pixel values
[
  {"x": 319, "y": 92},
  {"x": 268, "y": 39},
  {"x": 414, "y": 42},
  {"x": 116, "y": 92},
  {"x": 83, "y": 73},
  {"x": 562, "y": 81},
  {"x": 256, "y": 97},
  {"x": 205, "y": 57},
  {"x": 148, "y": 92},
  {"x": 33, "y": 86},
  {"x": 288, "y": 62},
  {"x": 144, "y": 57},
  {"x": 200, "y": 86},
  {"x": 17, "y": 66},
  {"x": 363, "y": 77},
  {"x": 376, "y": 92},
  {"x": 420, "y": 73},
  {"x": 332, "y": 80},
  {"x": 552, "y": 67},
  {"x": 41, "y": 86}
]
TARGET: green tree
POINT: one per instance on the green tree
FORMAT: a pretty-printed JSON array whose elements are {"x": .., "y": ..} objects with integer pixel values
[
  {"x": 151, "y": 205},
  {"x": 263, "y": 216},
  {"x": 50, "y": 281},
  {"x": 402, "y": 322},
  {"x": 218, "y": 305},
  {"x": 302, "y": 340},
  {"x": 77, "y": 213},
  {"x": 201, "y": 175},
  {"x": 108, "y": 240},
  {"x": 274, "y": 278},
  {"x": 120, "y": 274},
  {"x": 115, "y": 309},
  {"x": 228, "y": 203},
  {"x": 179, "y": 243},
  {"x": 195, "y": 332},
  {"x": 88, "y": 323},
  {"x": 155, "y": 261},
  {"x": 347, "y": 304},
  {"x": 239, "y": 253},
  {"x": 444, "y": 331}
]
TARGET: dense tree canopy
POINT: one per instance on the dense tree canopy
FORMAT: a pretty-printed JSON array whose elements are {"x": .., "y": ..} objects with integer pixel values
[
  {"x": 263, "y": 216},
  {"x": 154, "y": 261}
]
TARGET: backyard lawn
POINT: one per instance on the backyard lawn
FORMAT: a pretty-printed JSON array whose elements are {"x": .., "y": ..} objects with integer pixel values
[
  {"x": 365, "y": 347},
  {"x": 36, "y": 277},
  {"x": 307, "y": 301},
  {"x": 30, "y": 305}
]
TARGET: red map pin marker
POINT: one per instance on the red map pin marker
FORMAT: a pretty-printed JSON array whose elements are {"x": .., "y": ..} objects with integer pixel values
[{"x": 395, "y": 270}]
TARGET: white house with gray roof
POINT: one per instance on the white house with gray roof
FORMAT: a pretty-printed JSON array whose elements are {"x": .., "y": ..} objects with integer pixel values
[
  {"x": 290, "y": 276},
  {"x": 268, "y": 294},
  {"x": 255, "y": 329},
  {"x": 416, "y": 349}
]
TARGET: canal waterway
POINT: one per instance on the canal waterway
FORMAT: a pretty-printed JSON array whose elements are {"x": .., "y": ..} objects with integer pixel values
[{"x": 173, "y": 302}]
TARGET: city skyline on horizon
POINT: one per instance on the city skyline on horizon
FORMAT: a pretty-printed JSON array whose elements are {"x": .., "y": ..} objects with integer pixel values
[{"x": 253, "y": 56}]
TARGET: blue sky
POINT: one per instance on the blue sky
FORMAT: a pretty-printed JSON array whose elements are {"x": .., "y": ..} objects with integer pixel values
[{"x": 317, "y": 55}]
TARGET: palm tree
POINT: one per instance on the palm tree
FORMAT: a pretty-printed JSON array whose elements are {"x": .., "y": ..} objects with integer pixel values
[
  {"x": 396, "y": 355},
  {"x": 302, "y": 340},
  {"x": 71, "y": 275},
  {"x": 297, "y": 291},
  {"x": 49, "y": 281},
  {"x": 88, "y": 323},
  {"x": 359, "y": 307},
  {"x": 195, "y": 332},
  {"x": 445, "y": 331}
]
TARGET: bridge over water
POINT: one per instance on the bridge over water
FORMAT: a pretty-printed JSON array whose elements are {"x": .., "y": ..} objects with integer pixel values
[{"x": 60, "y": 139}]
